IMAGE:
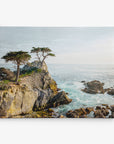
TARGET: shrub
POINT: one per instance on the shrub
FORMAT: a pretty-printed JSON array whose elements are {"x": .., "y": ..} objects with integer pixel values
[
  {"x": 30, "y": 72},
  {"x": 4, "y": 84}
]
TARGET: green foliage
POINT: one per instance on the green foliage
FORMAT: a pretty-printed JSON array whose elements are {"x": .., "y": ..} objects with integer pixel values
[
  {"x": 51, "y": 54},
  {"x": 19, "y": 57},
  {"x": 4, "y": 84},
  {"x": 30, "y": 72},
  {"x": 5, "y": 81},
  {"x": 39, "y": 70},
  {"x": 40, "y": 49},
  {"x": 42, "y": 53},
  {"x": 35, "y": 50}
]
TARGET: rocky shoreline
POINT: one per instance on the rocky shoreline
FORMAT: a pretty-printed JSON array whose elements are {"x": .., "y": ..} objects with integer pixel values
[
  {"x": 103, "y": 111},
  {"x": 37, "y": 94}
]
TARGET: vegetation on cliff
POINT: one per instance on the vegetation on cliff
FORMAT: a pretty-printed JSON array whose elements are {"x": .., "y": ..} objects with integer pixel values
[
  {"x": 35, "y": 91},
  {"x": 18, "y": 58},
  {"x": 42, "y": 53}
]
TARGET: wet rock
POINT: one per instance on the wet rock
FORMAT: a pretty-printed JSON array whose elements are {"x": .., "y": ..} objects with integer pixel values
[
  {"x": 50, "y": 110},
  {"x": 112, "y": 115},
  {"x": 98, "y": 114},
  {"x": 112, "y": 111},
  {"x": 94, "y": 87},
  {"x": 98, "y": 107},
  {"x": 101, "y": 112},
  {"x": 112, "y": 108},
  {"x": 111, "y": 92},
  {"x": 79, "y": 113},
  {"x": 60, "y": 99},
  {"x": 71, "y": 114},
  {"x": 83, "y": 81},
  {"x": 89, "y": 109},
  {"x": 58, "y": 89},
  {"x": 105, "y": 112},
  {"x": 61, "y": 116},
  {"x": 83, "y": 116},
  {"x": 106, "y": 105}
]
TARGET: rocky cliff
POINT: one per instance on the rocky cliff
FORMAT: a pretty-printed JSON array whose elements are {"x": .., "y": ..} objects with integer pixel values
[{"x": 36, "y": 91}]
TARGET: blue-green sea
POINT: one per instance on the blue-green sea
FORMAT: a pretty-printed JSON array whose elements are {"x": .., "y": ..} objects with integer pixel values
[{"x": 69, "y": 77}]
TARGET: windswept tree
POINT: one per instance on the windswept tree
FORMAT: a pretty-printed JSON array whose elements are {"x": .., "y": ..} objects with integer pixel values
[
  {"x": 18, "y": 58},
  {"x": 42, "y": 53}
]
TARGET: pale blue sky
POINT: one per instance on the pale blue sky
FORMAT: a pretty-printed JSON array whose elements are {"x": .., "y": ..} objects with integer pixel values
[{"x": 71, "y": 45}]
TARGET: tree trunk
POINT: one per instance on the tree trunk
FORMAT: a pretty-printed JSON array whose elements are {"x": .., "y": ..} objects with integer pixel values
[
  {"x": 43, "y": 60},
  {"x": 18, "y": 72}
]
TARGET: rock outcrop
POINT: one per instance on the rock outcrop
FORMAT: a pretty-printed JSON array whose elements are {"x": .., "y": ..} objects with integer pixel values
[
  {"x": 94, "y": 87},
  {"x": 35, "y": 64},
  {"x": 102, "y": 111},
  {"x": 35, "y": 91},
  {"x": 111, "y": 92},
  {"x": 79, "y": 113},
  {"x": 112, "y": 112}
]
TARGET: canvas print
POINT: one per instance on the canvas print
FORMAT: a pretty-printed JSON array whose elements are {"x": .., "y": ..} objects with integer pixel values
[{"x": 57, "y": 72}]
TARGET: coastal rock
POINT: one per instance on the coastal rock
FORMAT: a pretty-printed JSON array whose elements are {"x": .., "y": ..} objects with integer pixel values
[
  {"x": 101, "y": 112},
  {"x": 89, "y": 109},
  {"x": 94, "y": 87},
  {"x": 38, "y": 114},
  {"x": 111, "y": 92},
  {"x": 6, "y": 74},
  {"x": 98, "y": 114},
  {"x": 79, "y": 113},
  {"x": 98, "y": 107},
  {"x": 106, "y": 105},
  {"x": 16, "y": 100},
  {"x": 59, "y": 99},
  {"x": 112, "y": 108},
  {"x": 61, "y": 116},
  {"x": 36, "y": 91},
  {"x": 35, "y": 64},
  {"x": 112, "y": 111}
]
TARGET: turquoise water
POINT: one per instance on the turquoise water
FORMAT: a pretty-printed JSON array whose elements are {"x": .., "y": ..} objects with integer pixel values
[{"x": 69, "y": 77}]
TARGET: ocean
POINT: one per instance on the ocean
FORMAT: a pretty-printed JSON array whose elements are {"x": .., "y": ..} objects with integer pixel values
[{"x": 69, "y": 77}]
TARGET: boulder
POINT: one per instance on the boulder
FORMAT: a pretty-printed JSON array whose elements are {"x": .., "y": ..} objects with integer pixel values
[
  {"x": 111, "y": 92},
  {"x": 59, "y": 99},
  {"x": 89, "y": 109},
  {"x": 79, "y": 113},
  {"x": 112, "y": 108},
  {"x": 94, "y": 87},
  {"x": 71, "y": 114},
  {"x": 101, "y": 112},
  {"x": 98, "y": 107},
  {"x": 98, "y": 112}
]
